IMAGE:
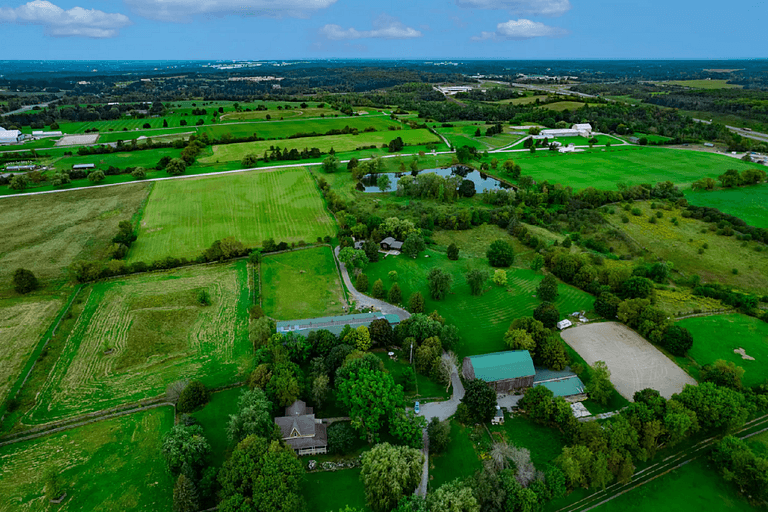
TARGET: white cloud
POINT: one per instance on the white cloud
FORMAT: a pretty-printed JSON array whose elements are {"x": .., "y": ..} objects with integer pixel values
[
  {"x": 384, "y": 27},
  {"x": 76, "y": 22},
  {"x": 521, "y": 29},
  {"x": 526, "y": 7},
  {"x": 184, "y": 10}
]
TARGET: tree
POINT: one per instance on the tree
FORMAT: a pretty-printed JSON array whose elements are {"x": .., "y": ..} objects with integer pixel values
[
  {"x": 261, "y": 476},
  {"x": 607, "y": 305},
  {"x": 96, "y": 176},
  {"x": 519, "y": 339},
  {"x": 249, "y": 160},
  {"x": 185, "y": 450},
  {"x": 467, "y": 188},
  {"x": 427, "y": 355},
  {"x": 547, "y": 289},
  {"x": 139, "y": 173},
  {"x": 439, "y": 433},
  {"x": 361, "y": 282},
  {"x": 320, "y": 389},
  {"x": 723, "y": 373},
  {"x": 185, "y": 495},
  {"x": 500, "y": 277},
  {"x": 195, "y": 394},
  {"x": 500, "y": 254},
  {"x": 24, "y": 281},
  {"x": 395, "y": 295},
  {"x": 330, "y": 164},
  {"x": 476, "y": 279},
  {"x": 383, "y": 182},
  {"x": 286, "y": 384},
  {"x": 19, "y": 182},
  {"x": 637, "y": 287},
  {"x": 371, "y": 397},
  {"x": 389, "y": 473},
  {"x": 253, "y": 416},
  {"x": 453, "y": 496},
  {"x": 453, "y": 252},
  {"x": 341, "y": 438},
  {"x": 599, "y": 386},
  {"x": 353, "y": 258},
  {"x": 378, "y": 289},
  {"x": 176, "y": 167},
  {"x": 439, "y": 282},
  {"x": 678, "y": 340},
  {"x": 416, "y": 303},
  {"x": 731, "y": 178},
  {"x": 537, "y": 262},
  {"x": 537, "y": 402},
  {"x": 413, "y": 245},
  {"x": 261, "y": 330},
  {"x": 547, "y": 314},
  {"x": 717, "y": 409},
  {"x": 480, "y": 401}
]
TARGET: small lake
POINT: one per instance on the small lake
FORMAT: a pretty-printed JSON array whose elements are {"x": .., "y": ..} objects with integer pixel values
[{"x": 482, "y": 181}]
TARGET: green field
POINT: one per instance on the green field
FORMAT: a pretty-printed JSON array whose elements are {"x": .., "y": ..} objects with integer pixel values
[
  {"x": 704, "y": 84},
  {"x": 47, "y": 233},
  {"x": 184, "y": 217},
  {"x": 214, "y": 418},
  {"x": 462, "y": 133},
  {"x": 603, "y": 169},
  {"x": 236, "y": 152},
  {"x": 331, "y": 491},
  {"x": 284, "y": 129},
  {"x": 716, "y": 337},
  {"x": 157, "y": 333},
  {"x": 483, "y": 320},
  {"x": 560, "y": 106},
  {"x": 459, "y": 460},
  {"x": 144, "y": 158},
  {"x": 113, "y": 465},
  {"x": 23, "y": 321},
  {"x": 545, "y": 443},
  {"x": 425, "y": 387},
  {"x": 301, "y": 284},
  {"x": 750, "y": 204}
]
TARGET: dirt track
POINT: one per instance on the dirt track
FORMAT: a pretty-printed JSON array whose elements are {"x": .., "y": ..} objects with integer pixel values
[{"x": 634, "y": 363}]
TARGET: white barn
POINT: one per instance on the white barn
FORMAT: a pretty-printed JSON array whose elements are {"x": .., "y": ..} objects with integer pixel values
[
  {"x": 585, "y": 129},
  {"x": 9, "y": 136}
]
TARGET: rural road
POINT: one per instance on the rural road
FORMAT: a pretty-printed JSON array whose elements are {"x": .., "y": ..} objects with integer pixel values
[
  {"x": 446, "y": 409},
  {"x": 421, "y": 490}
]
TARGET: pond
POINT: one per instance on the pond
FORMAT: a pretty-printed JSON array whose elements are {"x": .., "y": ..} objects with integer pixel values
[{"x": 482, "y": 181}]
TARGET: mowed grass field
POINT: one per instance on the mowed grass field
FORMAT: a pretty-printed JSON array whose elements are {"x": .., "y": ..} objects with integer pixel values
[
  {"x": 286, "y": 128},
  {"x": 113, "y": 465},
  {"x": 236, "y": 152},
  {"x": 184, "y": 217},
  {"x": 47, "y": 233},
  {"x": 158, "y": 333},
  {"x": 630, "y": 165},
  {"x": 482, "y": 320},
  {"x": 23, "y": 321},
  {"x": 716, "y": 337},
  {"x": 459, "y": 460},
  {"x": 214, "y": 418},
  {"x": 331, "y": 491},
  {"x": 750, "y": 204},
  {"x": 301, "y": 284}
]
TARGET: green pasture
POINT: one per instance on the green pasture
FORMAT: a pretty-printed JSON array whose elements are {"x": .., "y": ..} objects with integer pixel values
[
  {"x": 214, "y": 418},
  {"x": 301, "y": 284},
  {"x": 284, "y": 129},
  {"x": 236, "y": 152},
  {"x": 459, "y": 460},
  {"x": 112, "y": 465},
  {"x": 604, "y": 168},
  {"x": 704, "y": 84},
  {"x": 138, "y": 334},
  {"x": 331, "y": 491},
  {"x": 184, "y": 217},
  {"x": 463, "y": 134},
  {"x": 750, "y": 204},
  {"x": 545, "y": 443},
  {"x": 482, "y": 320},
  {"x": 47, "y": 233},
  {"x": 683, "y": 245},
  {"x": 560, "y": 106},
  {"x": 716, "y": 337},
  {"x": 147, "y": 158},
  {"x": 584, "y": 141}
]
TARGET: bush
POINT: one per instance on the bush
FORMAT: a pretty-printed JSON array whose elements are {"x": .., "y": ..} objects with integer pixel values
[
  {"x": 176, "y": 167},
  {"x": 439, "y": 433},
  {"x": 96, "y": 176},
  {"x": 341, "y": 438},
  {"x": 24, "y": 281},
  {"x": 139, "y": 173},
  {"x": 195, "y": 395},
  {"x": 677, "y": 340},
  {"x": 361, "y": 283},
  {"x": 453, "y": 252},
  {"x": 204, "y": 298},
  {"x": 547, "y": 314}
]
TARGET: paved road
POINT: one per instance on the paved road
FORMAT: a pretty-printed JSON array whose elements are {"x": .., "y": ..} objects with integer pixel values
[
  {"x": 446, "y": 409},
  {"x": 421, "y": 490},
  {"x": 24, "y": 109}
]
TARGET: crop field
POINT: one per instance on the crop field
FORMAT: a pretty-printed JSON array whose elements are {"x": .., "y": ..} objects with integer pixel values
[
  {"x": 284, "y": 129},
  {"x": 630, "y": 165},
  {"x": 236, "y": 152},
  {"x": 137, "y": 335},
  {"x": 526, "y": 100},
  {"x": 482, "y": 320},
  {"x": 681, "y": 245},
  {"x": 157, "y": 134},
  {"x": 48, "y": 233},
  {"x": 113, "y": 465},
  {"x": 274, "y": 113},
  {"x": 301, "y": 284},
  {"x": 184, "y": 217},
  {"x": 23, "y": 321},
  {"x": 747, "y": 203},
  {"x": 716, "y": 337}
]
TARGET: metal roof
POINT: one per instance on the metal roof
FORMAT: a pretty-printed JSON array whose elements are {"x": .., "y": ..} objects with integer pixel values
[
  {"x": 503, "y": 365},
  {"x": 564, "y": 387}
]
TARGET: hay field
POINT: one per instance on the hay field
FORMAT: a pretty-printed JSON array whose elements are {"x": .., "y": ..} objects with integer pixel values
[
  {"x": 23, "y": 321},
  {"x": 634, "y": 363},
  {"x": 158, "y": 334},
  {"x": 750, "y": 204},
  {"x": 184, "y": 217},
  {"x": 49, "y": 232},
  {"x": 112, "y": 465},
  {"x": 283, "y": 129},
  {"x": 301, "y": 284}
]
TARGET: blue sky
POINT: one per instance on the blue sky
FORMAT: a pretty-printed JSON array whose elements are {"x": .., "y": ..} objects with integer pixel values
[{"x": 397, "y": 29}]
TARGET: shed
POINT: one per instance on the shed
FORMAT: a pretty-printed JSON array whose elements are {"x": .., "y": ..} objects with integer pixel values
[
  {"x": 84, "y": 166},
  {"x": 503, "y": 371},
  {"x": 390, "y": 243},
  {"x": 564, "y": 324}
]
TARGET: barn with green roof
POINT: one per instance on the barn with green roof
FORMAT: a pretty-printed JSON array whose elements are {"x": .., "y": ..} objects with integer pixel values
[{"x": 503, "y": 371}]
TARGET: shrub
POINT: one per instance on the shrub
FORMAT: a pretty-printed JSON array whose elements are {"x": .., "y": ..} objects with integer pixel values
[
  {"x": 195, "y": 395},
  {"x": 96, "y": 176},
  {"x": 395, "y": 295},
  {"x": 204, "y": 298},
  {"x": 453, "y": 252},
  {"x": 139, "y": 173},
  {"x": 361, "y": 283},
  {"x": 24, "y": 281}
]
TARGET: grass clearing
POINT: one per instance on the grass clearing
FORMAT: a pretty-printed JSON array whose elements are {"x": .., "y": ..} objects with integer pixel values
[
  {"x": 704, "y": 84},
  {"x": 750, "y": 204},
  {"x": 425, "y": 387},
  {"x": 330, "y": 491},
  {"x": 459, "y": 460},
  {"x": 47, "y": 233},
  {"x": 214, "y": 418},
  {"x": 113, "y": 465},
  {"x": 680, "y": 301},
  {"x": 301, "y": 284},
  {"x": 184, "y": 217},
  {"x": 544, "y": 443},
  {"x": 158, "y": 333},
  {"x": 716, "y": 337},
  {"x": 560, "y": 106}
]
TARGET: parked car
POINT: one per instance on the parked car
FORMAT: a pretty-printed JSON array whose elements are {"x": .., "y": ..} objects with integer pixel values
[{"x": 416, "y": 408}]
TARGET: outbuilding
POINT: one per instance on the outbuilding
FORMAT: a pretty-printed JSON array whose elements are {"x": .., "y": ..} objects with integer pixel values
[
  {"x": 503, "y": 371},
  {"x": 390, "y": 244},
  {"x": 9, "y": 136},
  {"x": 83, "y": 166},
  {"x": 564, "y": 324}
]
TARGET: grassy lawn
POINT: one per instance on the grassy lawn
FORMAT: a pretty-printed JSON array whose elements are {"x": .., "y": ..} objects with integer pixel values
[
  {"x": 331, "y": 491},
  {"x": 544, "y": 443},
  {"x": 47, "y": 233},
  {"x": 23, "y": 321},
  {"x": 425, "y": 387},
  {"x": 236, "y": 152},
  {"x": 158, "y": 333},
  {"x": 301, "y": 284},
  {"x": 716, "y": 337},
  {"x": 482, "y": 320},
  {"x": 184, "y": 217},
  {"x": 459, "y": 460},
  {"x": 214, "y": 418},
  {"x": 680, "y": 245},
  {"x": 603, "y": 169},
  {"x": 750, "y": 204},
  {"x": 112, "y": 465}
]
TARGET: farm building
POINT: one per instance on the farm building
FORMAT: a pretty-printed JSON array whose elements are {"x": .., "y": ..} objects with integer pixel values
[
  {"x": 83, "y": 166},
  {"x": 301, "y": 431},
  {"x": 390, "y": 243},
  {"x": 564, "y": 383},
  {"x": 585, "y": 129},
  {"x": 561, "y": 132},
  {"x": 42, "y": 134},
  {"x": 20, "y": 168},
  {"x": 335, "y": 324},
  {"x": 503, "y": 371},
  {"x": 9, "y": 136}
]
